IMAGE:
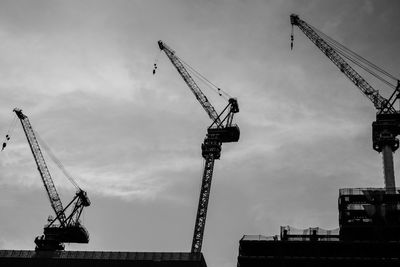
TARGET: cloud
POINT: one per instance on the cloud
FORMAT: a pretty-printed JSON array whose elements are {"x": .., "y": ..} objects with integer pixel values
[
  {"x": 81, "y": 71},
  {"x": 368, "y": 7},
  {"x": 110, "y": 155}
]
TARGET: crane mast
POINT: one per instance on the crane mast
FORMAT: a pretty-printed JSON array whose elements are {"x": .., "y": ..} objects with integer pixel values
[
  {"x": 69, "y": 229},
  {"x": 220, "y": 131},
  {"x": 387, "y": 124}
]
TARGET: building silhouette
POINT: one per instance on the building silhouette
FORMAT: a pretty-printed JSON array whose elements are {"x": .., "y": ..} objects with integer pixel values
[
  {"x": 23, "y": 258},
  {"x": 368, "y": 235}
]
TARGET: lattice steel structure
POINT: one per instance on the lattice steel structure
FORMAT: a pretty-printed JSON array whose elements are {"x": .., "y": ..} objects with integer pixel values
[{"x": 222, "y": 130}]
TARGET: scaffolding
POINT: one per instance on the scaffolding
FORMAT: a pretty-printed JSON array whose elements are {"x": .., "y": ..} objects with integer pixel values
[
  {"x": 289, "y": 233},
  {"x": 369, "y": 214}
]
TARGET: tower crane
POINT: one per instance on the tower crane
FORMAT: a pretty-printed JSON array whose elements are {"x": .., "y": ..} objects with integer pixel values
[
  {"x": 64, "y": 228},
  {"x": 386, "y": 127},
  {"x": 221, "y": 130}
]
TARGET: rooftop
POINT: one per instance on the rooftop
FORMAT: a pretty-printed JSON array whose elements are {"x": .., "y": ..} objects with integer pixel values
[{"x": 100, "y": 258}]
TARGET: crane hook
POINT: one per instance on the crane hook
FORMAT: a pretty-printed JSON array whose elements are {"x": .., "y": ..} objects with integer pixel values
[
  {"x": 291, "y": 39},
  {"x": 155, "y": 68},
  {"x": 155, "y": 62},
  {"x": 8, "y": 133},
  {"x": 291, "y": 43},
  {"x": 5, "y": 142}
]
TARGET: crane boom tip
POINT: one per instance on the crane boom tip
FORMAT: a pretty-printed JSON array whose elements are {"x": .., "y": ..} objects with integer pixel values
[
  {"x": 294, "y": 19},
  {"x": 160, "y": 44}
]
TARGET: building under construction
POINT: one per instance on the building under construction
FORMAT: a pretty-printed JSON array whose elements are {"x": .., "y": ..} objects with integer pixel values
[
  {"x": 368, "y": 235},
  {"x": 369, "y": 218}
]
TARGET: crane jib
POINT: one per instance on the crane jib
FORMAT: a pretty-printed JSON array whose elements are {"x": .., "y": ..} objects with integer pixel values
[
  {"x": 380, "y": 103},
  {"x": 189, "y": 81},
  {"x": 51, "y": 190}
]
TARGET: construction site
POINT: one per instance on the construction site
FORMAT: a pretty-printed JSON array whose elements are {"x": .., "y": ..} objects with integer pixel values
[
  {"x": 369, "y": 218},
  {"x": 66, "y": 226},
  {"x": 368, "y": 232}
]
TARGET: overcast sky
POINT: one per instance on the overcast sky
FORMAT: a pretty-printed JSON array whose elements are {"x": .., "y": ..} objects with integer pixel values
[{"x": 82, "y": 72}]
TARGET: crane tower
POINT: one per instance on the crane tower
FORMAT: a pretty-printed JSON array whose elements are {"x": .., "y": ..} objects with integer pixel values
[
  {"x": 386, "y": 127},
  {"x": 63, "y": 228},
  {"x": 222, "y": 130}
]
